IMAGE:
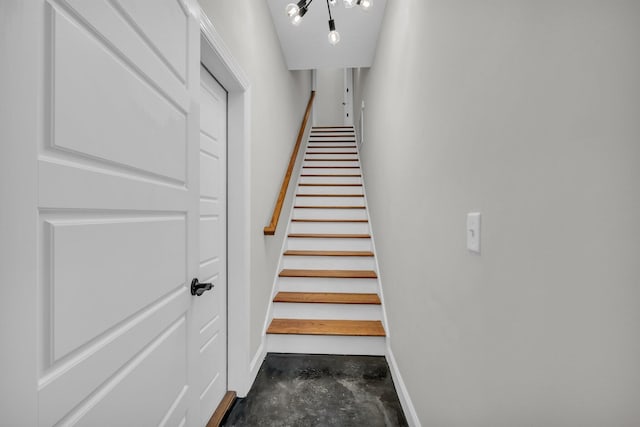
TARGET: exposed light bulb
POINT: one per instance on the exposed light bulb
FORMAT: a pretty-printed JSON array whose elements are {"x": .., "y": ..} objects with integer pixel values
[
  {"x": 296, "y": 20},
  {"x": 365, "y": 4},
  {"x": 334, "y": 36},
  {"x": 292, "y": 10},
  {"x": 349, "y": 3},
  {"x": 333, "y": 2}
]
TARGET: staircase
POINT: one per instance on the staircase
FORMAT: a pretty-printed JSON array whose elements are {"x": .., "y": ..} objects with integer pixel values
[{"x": 326, "y": 298}]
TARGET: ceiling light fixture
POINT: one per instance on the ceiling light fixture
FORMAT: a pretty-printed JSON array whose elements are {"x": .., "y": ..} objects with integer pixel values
[
  {"x": 365, "y": 4},
  {"x": 296, "y": 11},
  {"x": 334, "y": 36}
]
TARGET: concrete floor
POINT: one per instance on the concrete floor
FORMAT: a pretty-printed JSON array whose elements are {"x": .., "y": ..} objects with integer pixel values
[{"x": 320, "y": 390}]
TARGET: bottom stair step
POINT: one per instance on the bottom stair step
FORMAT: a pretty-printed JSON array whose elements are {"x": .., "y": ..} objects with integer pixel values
[
  {"x": 371, "y": 328},
  {"x": 326, "y": 344}
]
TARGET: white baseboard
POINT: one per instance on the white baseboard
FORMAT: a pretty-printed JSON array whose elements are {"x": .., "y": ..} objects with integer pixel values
[
  {"x": 401, "y": 389},
  {"x": 256, "y": 362}
]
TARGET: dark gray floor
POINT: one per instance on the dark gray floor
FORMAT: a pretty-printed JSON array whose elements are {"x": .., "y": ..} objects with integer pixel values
[{"x": 318, "y": 390}]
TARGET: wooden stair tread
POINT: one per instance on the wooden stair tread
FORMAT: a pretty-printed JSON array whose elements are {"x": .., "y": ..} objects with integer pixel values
[
  {"x": 324, "y": 184},
  {"x": 329, "y": 195},
  {"x": 330, "y": 160},
  {"x": 329, "y": 207},
  {"x": 335, "y": 175},
  {"x": 330, "y": 167},
  {"x": 333, "y": 274},
  {"x": 327, "y": 327},
  {"x": 334, "y": 152},
  {"x": 329, "y": 236},
  {"x": 328, "y": 253},
  {"x": 327, "y": 298},
  {"x": 330, "y": 147},
  {"x": 327, "y": 220}
]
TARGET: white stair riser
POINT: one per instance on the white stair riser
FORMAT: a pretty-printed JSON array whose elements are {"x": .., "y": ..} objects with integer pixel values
[
  {"x": 330, "y": 213},
  {"x": 330, "y": 180},
  {"x": 287, "y": 310},
  {"x": 353, "y": 157},
  {"x": 352, "y": 163},
  {"x": 329, "y": 189},
  {"x": 329, "y": 201},
  {"x": 333, "y": 130},
  {"x": 326, "y": 344},
  {"x": 333, "y": 141},
  {"x": 330, "y": 228},
  {"x": 331, "y": 136},
  {"x": 325, "y": 148},
  {"x": 321, "y": 284},
  {"x": 329, "y": 262},
  {"x": 322, "y": 244}
]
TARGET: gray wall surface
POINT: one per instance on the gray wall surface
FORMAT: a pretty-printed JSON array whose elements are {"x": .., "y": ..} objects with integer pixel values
[{"x": 529, "y": 112}]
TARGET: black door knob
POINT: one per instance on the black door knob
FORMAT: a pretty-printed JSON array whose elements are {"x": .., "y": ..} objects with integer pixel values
[{"x": 198, "y": 288}]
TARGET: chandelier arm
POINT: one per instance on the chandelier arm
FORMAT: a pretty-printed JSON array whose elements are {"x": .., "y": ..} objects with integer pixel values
[{"x": 328, "y": 10}]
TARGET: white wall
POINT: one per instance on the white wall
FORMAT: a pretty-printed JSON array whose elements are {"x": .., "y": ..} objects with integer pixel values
[
  {"x": 278, "y": 100},
  {"x": 328, "y": 109},
  {"x": 529, "y": 112}
]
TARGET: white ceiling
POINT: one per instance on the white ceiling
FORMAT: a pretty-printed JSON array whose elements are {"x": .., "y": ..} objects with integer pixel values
[{"x": 307, "y": 47}]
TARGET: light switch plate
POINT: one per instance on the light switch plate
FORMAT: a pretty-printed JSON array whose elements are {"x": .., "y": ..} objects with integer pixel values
[{"x": 473, "y": 232}]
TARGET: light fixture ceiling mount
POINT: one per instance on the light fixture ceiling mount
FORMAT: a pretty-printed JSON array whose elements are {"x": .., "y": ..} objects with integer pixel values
[{"x": 296, "y": 11}]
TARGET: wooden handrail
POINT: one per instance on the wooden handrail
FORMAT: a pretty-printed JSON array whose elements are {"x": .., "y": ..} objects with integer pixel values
[{"x": 270, "y": 229}]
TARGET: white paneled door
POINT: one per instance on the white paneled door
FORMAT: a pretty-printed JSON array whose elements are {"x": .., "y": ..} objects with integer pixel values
[
  {"x": 129, "y": 205},
  {"x": 210, "y": 310}
]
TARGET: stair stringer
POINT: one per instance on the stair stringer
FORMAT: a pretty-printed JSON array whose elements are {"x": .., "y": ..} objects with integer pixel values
[
  {"x": 385, "y": 320},
  {"x": 280, "y": 266}
]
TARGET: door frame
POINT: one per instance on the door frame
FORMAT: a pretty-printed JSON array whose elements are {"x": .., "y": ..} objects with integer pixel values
[
  {"x": 217, "y": 58},
  {"x": 347, "y": 94},
  {"x": 20, "y": 133}
]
